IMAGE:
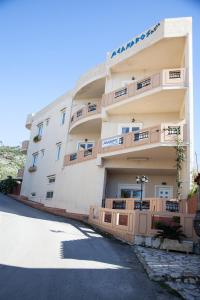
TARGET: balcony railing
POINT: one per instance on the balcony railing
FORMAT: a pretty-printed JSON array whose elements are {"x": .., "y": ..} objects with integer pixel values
[
  {"x": 80, "y": 156},
  {"x": 161, "y": 133},
  {"x": 172, "y": 77},
  {"x": 84, "y": 112},
  {"x": 149, "y": 204}
]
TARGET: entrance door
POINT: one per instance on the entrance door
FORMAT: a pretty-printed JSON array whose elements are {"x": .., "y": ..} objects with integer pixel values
[
  {"x": 129, "y": 191},
  {"x": 164, "y": 192}
]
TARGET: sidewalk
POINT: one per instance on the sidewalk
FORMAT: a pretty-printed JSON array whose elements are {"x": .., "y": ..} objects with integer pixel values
[{"x": 180, "y": 271}]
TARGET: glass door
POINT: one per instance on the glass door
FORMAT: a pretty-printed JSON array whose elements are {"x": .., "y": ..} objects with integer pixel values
[{"x": 131, "y": 191}]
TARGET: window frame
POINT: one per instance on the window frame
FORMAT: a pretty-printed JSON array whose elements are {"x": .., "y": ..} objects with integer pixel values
[
  {"x": 58, "y": 150},
  {"x": 51, "y": 177},
  {"x": 35, "y": 159},
  {"x": 63, "y": 116},
  {"x": 130, "y": 126},
  {"x": 52, "y": 194},
  {"x": 40, "y": 129}
]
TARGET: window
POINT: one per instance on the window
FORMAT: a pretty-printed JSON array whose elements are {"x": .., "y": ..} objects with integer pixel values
[
  {"x": 129, "y": 127},
  {"x": 73, "y": 156},
  {"x": 40, "y": 129},
  {"x": 51, "y": 178},
  {"x": 130, "y": 191},
  {"x": 58, "y": 150},
  {"x": 47, "y": 121},
  {"x": 49, "y": 195},
  {"x": 63, "y": 115},
  {"x": 85, "y": 145},
  {"x": 34, "y": 159}
]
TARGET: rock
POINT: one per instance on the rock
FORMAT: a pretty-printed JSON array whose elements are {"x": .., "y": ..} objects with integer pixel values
[
  {"x": 148, "y": 241},
  {"x": 156, "y": 243},
  {"x": 139, "y": 240}
]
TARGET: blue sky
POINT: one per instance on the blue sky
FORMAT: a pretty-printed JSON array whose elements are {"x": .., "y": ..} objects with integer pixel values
[{"x": 45, "y": 45}]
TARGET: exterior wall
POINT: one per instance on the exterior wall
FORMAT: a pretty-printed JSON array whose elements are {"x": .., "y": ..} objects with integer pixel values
[
  {"x": 80, "y": 186},
  {"x": 47, "y": 165},
  {"x": 111, "y": 126},
  {"x": 114, "y": 180}
]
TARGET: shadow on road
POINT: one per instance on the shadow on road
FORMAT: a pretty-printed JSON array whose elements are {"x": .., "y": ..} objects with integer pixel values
[{"x": 88, "y": 266}]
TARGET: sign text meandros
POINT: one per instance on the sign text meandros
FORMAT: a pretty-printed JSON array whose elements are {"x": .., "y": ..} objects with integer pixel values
[{"x": 135, "y": 41}]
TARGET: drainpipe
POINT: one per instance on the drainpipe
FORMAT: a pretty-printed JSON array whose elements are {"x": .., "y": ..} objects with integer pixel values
[{"x": 196, "y": 222}]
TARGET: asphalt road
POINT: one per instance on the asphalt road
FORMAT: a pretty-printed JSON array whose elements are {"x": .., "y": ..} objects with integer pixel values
[{"x": 48, "y": 257}]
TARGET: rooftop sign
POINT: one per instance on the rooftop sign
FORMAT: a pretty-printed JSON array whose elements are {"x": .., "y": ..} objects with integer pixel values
[{"x": 134, "y": 41}]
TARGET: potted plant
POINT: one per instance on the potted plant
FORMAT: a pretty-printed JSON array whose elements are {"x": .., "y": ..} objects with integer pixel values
[
  {"x": 171, "y": 236},
  {"x": 32, "y": 169},
  {"x": 37, "y": 138}
]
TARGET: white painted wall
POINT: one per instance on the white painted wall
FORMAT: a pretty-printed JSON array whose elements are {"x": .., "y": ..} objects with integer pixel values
[{"x": 80, "y": 185}]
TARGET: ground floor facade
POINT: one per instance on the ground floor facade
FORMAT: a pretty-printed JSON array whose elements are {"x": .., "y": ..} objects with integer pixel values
[{"x": 78, "y": 186}]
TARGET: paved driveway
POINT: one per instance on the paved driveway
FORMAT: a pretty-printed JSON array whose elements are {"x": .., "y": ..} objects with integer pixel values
[{"x": 48, "y": 257}]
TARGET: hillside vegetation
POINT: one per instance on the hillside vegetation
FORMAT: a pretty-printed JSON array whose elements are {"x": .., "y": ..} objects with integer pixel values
[{"x": 11, "y": 159}]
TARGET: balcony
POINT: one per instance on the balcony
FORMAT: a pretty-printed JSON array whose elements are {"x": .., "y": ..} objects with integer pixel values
[
  {"x": 166, "y": 79},
  {"x": 162, "y": 134},
  {"x": 29, "y": 121},
  {"x": 86, "y": 113},
  {"x": 92, "y": 83},
  {"x": 80, "y": 156},
  {"x": 24, "y": 147}
]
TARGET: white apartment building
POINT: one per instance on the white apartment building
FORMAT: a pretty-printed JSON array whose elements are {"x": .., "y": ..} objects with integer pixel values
[{"x": 121, "y": 120}]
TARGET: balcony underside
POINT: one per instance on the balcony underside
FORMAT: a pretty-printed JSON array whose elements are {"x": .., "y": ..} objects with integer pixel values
[
  {"x": 159, "y": 100},
  {"x": 140, "y": 171},
  {"x": 151, "y": 152},
  {"x": 167, "y": 53},
  {"x": 91, "y": 124},
  {"x": 94, "y": 89}
]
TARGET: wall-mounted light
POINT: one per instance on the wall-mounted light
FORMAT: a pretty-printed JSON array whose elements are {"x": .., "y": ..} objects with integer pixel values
[{"x": 138, "y": 158}]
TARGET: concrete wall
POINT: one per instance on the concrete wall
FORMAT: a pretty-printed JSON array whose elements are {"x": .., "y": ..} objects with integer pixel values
[
  {"x": 80, "y": 186},
  {"x": 47, "y": 165}
]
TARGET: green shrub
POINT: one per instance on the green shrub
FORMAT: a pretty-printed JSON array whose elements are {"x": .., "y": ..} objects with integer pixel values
[
  {"x": 169, "y": 231},
  {"x": 7, "y": 185}
]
